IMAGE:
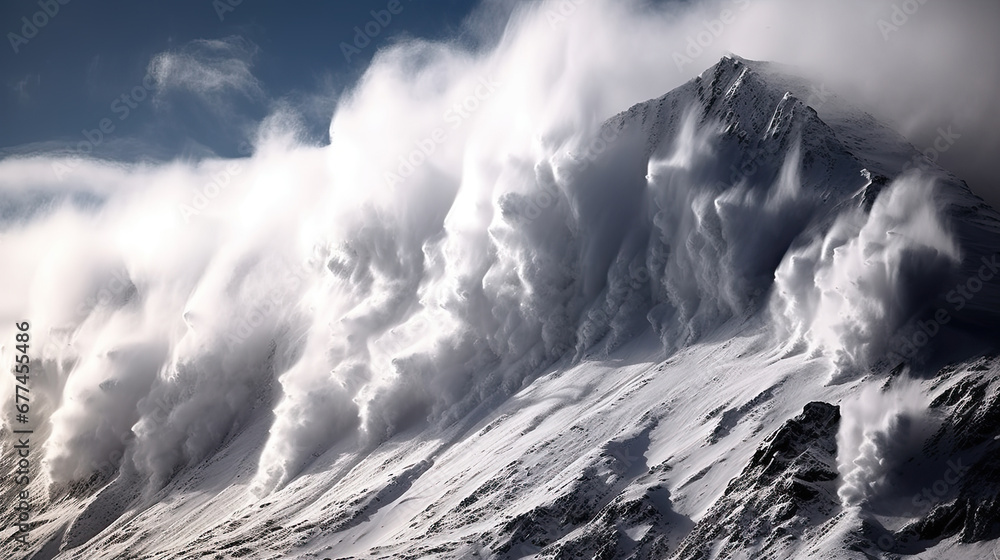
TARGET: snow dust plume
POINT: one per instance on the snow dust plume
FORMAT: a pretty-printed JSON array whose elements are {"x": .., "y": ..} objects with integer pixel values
[
  {"x": 469, "y": 222},
  {"x": 880, "y": 431},
  {"x": 849, "y": 291},
  {"x": 434, "y": 254},
  {"x": 711, "y": 242}
]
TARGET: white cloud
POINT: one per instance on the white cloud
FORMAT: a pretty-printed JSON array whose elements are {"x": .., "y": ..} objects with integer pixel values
[{"x": 211, "y": 69}]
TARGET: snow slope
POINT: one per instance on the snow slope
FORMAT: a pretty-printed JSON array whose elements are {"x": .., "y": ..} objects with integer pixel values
[{"x": 701, "y": 330}]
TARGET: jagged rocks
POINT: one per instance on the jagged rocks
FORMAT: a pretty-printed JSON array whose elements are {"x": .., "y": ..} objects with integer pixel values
[{"x": 788, "y": 485}]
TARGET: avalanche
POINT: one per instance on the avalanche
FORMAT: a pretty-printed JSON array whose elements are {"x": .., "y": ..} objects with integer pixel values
[{"x": 662, "y": 333}]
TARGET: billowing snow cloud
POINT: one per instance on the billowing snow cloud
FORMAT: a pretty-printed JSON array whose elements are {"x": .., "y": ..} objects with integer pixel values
[
  {"x": 848, "y": 292},
  {"x": 448, "y": 242},
  {"x": 880, "y": 431}
]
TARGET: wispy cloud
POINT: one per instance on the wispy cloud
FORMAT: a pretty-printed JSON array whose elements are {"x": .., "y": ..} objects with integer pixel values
[
  {"x": 210, "y": 69},
  {"x": 25, "y": 87}
]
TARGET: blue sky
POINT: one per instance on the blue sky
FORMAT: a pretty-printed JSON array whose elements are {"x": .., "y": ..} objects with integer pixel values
[
  {"x": 69, "y": 66},
  {"x": 65, "y": 76}
]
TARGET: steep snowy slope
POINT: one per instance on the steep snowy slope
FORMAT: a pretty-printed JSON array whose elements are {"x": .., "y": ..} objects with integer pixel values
[{"x": 727, "y": 324}]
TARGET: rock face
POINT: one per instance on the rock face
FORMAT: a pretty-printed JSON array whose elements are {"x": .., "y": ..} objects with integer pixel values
[
  {"x": 787, "y": 487},
  {"x": 968, "y": 438}
]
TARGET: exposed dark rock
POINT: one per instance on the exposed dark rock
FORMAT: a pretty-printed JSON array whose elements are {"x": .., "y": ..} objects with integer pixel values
[{"x": 788, "y": 486}]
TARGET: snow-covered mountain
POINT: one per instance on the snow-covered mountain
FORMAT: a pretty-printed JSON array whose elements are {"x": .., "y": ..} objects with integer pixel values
[{"x": 741, "y": 320}]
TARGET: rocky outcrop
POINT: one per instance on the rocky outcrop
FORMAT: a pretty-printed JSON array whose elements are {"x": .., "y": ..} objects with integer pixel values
[{"x": 788, "y": 486}]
